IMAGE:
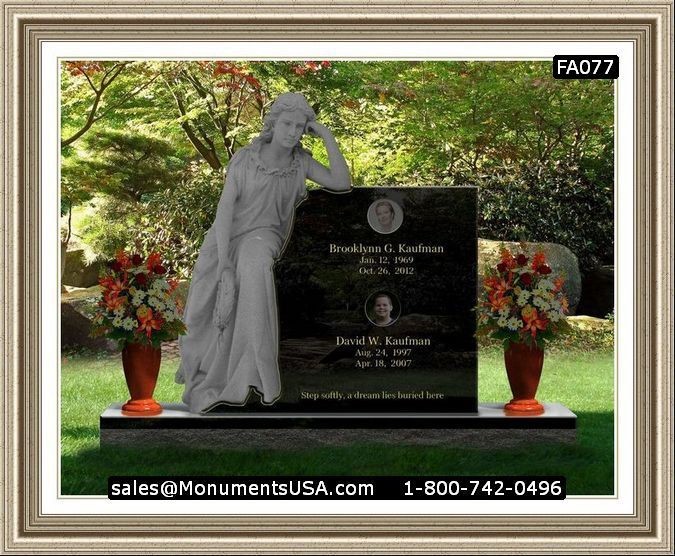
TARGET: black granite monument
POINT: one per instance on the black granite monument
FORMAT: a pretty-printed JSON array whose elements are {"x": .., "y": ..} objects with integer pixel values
[{"x": 375, "y": 290}]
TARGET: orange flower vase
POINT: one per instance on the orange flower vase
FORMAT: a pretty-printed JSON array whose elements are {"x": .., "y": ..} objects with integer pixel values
[
  {"x": 141, "y": 368},
  {"x": 523, "y": 368}
]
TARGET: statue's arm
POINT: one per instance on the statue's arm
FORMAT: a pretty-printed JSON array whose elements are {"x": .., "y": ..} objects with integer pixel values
[
  {"x": 223, "y": 222},
  {"x": 336, "y": 177}
]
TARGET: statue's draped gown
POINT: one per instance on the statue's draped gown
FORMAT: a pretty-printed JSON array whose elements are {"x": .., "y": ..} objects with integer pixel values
[{"x": 220, "y": 366}]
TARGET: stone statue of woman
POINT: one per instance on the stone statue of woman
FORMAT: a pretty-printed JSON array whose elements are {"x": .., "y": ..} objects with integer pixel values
[{"x": 232, "y": 341}]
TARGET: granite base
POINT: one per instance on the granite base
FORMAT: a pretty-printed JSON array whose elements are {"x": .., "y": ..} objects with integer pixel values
[{"x": 488, "y": 428}]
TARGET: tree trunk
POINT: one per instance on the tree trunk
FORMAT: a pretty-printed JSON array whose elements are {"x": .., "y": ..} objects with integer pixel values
[
  {"x": 64, "y": 250},
  {"x": 64, "y": 244}
]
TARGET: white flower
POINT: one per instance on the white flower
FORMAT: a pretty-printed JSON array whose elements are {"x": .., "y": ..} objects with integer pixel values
[
  {"x": 502, "y": 322},
  {"x": 138, "y": 297},
  {"x": 129, "y": 323},
  {"x": 545, "y": 284},
  {"x": 117, "y": 322},
  {"x": 544, "y": 294},
  {"x": 119, "y": 312},
  {"x": 542, "y": 304},
  {"x": 523, "y": 298},
  {"x": 512, "y": 323},
  {"x": 504, "y": 312},
  {"x": 161, "y": 284},
  {"x": 555, "y": 316},
  {"x": 156, "y": 303},
  {"x": 169, "y": 316},
  {"x": 157, "y": 287}
]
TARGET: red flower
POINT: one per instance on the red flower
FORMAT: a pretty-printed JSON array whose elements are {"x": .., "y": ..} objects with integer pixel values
[
  {"x": 491, "y": 282},
  {"x": 508, "y": 260},
  {"x": 123, "y": 259},
  {"x": 538, "y": 260},
  {"x": 498, "y": 284},
  {"x": 112, "y": 301},
  {"x": 521, "y": 260},
  {"x": 159, "y": 269},
  {"x": 112, "y": 285},
  {"x": 526, "y": 279},
  {"x": 544, "y": 269},
  {"x": 137, "y": 260},
  {"x": 115, "y": 265},
  {"x": 533, "y": 321},
  {"x": 497, "y": 301},
  {"x": 148, "y": 322},
  {"x": 141, "y": 279},
  {"x": 501, "y": 267},
  {"x": 153, "y": 260}
]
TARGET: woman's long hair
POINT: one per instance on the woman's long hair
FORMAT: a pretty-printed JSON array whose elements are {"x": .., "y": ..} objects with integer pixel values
[{"x": 285, "y": 102}]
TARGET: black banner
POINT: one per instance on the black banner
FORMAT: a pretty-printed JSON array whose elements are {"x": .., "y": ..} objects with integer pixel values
[
  {"x": 337, "y": 487},
  {"x": 585, "y": 67}
]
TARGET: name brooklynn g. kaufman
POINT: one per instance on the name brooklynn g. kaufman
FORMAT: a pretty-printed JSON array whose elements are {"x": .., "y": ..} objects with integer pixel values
[{"x": 362, "y": 249}]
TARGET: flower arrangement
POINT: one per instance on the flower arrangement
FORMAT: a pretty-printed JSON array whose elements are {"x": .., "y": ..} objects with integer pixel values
[
  {"x": 522, "y": 301},
  {"x": 138, "y": 303}
]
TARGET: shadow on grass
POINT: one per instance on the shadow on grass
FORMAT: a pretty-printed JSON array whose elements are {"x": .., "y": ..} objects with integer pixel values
[{"x": 588, "y": 464}]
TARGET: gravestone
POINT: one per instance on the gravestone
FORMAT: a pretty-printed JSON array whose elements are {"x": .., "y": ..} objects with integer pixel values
[
  {"x": 417, "y": 258},
  {"x": 357, "y": 365}
]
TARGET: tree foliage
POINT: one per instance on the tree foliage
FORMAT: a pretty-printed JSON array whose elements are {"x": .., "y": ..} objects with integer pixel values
[
  {"x": 217, "y": 102},
  {"x": 123, "y": 165},
  {"x": 158, "y": 134},
  {"x": 174, "y": 220}
]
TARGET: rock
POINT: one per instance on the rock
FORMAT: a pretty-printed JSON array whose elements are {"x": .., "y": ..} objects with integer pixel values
[
  {"x": 588, "y": 324},
  {"x": 597, "y": 298},
  {"x": 83, "y": 300},
  {"x": 559, "y": 257},
  {"x": 75, "y": 329},
  {"x": 77, "y": 272}
]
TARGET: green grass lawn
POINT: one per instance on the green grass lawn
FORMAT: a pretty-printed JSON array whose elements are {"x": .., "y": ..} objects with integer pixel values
[{"x": 583, "y": 381}]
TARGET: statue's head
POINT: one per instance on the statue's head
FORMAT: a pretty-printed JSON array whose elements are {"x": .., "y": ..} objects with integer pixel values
[{"x": 287, "y": 102}]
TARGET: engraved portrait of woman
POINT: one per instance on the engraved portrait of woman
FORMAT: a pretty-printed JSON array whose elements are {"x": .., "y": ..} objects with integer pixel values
[
  {"x": 231, "y": 347},
  {"x": 385, "y": 216}
]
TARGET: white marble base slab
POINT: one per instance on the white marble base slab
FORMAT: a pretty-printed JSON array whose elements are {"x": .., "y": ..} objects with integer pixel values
[{"x": 489, "y": 428}]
